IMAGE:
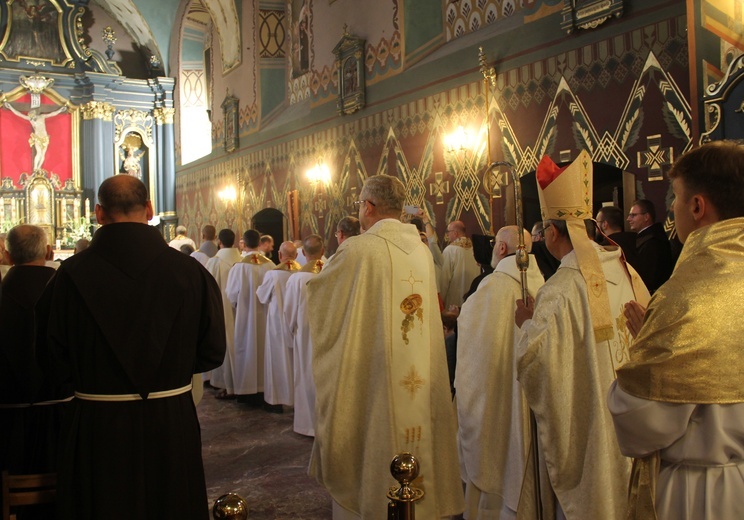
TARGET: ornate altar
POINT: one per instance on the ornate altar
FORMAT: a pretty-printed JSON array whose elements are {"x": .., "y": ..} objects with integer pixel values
[
  {"x": 39, "y": 157},
  {"x": 73, "y": 120}
]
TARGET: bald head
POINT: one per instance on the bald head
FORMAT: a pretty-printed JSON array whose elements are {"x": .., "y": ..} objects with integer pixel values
[
  {"x": 312, "y": 247},
  {"x": 455, "y": 230},
  {"x": 507, "y": 242},
  {"x": 27, "y": 245},
  {"x": 123, "y": 198},
  {"x": 287, "y": 251}
]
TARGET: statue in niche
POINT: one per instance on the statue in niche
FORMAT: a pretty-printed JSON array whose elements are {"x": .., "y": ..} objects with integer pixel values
[
  {"x": 39, "y": 139},
  {"x": 130, "y": 153},
  {"x": 34, "y": 31}
]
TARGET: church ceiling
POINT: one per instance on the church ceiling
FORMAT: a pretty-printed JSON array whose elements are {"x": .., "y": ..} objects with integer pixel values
[{"x": 150, "y": 24}]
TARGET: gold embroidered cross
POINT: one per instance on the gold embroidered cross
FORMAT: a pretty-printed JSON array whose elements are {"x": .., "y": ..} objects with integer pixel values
[
  {"x": 412, "y": 382},
  {"x": 411, "y": 280}
]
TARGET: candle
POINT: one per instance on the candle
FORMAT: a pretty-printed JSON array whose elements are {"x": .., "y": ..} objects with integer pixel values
[
  {"x": 59, "y": 244},
  {"x": 87, "y": 209}
]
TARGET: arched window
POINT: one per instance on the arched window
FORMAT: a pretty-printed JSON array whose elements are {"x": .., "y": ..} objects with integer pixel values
[{"x": 193, "y": 81}]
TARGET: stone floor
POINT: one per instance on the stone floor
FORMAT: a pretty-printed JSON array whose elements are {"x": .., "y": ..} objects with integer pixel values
[{"x": 256, "y": 454}]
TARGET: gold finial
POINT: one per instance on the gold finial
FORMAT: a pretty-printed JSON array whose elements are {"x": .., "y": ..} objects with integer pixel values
[
  {"x": 230, "y": 507},
  {"x": 404, "y": 468},
  {"x": 488, "y": 72}
]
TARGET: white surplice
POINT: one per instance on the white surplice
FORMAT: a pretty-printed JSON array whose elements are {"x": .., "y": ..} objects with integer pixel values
[
  {"x": 278, "y": 371},
  {"x": 219, "y": 266},
  {"x": 250, "y": 324},
  {"x": 459, "y": 269},
  {"x": 202, "y": 257},
  {"x": 492, "y": 413},
  {"x": 295, "y": 313},
  {"x": 701, "y": 449}
]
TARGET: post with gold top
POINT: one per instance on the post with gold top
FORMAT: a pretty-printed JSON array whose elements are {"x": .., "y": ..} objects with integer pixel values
[
  {"x": 230, "y": 506},
  {"x": 404, "y": 468}
]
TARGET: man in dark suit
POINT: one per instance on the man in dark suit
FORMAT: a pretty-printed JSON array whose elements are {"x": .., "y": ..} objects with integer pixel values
[
  {"x": 610, "y": 222},
  {"x": 654, "y": 262}
]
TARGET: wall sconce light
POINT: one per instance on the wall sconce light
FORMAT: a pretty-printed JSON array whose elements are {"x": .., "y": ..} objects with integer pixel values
[
  {"x": 319, "y": 177},
  {"x": 461, "y": 140},
  {"x": 227, "y": 194},
  {"x": 319, "y": 174}
]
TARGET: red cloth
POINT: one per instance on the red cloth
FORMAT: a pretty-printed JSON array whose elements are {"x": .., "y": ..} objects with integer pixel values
[
  {"x": 16, "y": 155},
  {"x": 547, "y": 171}
]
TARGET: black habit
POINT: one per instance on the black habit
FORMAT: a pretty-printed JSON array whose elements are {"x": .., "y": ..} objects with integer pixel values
[
  {"x": 130, "y": 315},
  {"x": 30, "y": 429}
]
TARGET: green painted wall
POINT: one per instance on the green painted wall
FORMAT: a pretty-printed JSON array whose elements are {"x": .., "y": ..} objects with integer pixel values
[
  {"x": 273, "y": 89},
  {"x": 422, "y": 22}
]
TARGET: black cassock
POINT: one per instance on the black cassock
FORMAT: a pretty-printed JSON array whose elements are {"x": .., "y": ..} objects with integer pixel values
[
  {"x": 131, "y": 315},
  {"x": 29, "y": 432}
]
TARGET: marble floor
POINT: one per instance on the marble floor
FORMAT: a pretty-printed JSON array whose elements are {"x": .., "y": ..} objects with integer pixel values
[{"x": 256, "y": 454}]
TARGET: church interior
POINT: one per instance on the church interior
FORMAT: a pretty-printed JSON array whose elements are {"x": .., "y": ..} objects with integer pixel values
[{"x": 271, "y": 114}]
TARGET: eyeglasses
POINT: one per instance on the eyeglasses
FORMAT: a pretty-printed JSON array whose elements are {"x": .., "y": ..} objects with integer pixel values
[{"x": 360, "y": 202}]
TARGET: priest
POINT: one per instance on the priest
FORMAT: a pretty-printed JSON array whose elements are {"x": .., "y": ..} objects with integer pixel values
[
  {"x": 295, "y": 314},
  {"x": 219, "y": 266},
  {"x": 570, "y": 344},
  {"x": 492, "y": 413},
  {"x": 131, "y": 321},
  {"x": 379, "y": 366},
  {"x": 250, "y": 320},
  {"x": 278, "y": 371},
  {"x": 31, "y": 405}
]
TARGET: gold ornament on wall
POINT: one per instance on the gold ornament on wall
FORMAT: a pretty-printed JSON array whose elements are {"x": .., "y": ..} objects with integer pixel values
[{"x": 350, "y": 66}]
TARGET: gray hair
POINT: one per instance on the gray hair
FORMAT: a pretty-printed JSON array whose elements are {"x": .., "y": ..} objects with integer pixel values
[
  {"x": 349, "y": 226},
  {"x": 181, "y": 230},
  {"x": 312, "y": 246},
  {"x": 26, "y": 243},
  {"x": 386, "y": 192}
]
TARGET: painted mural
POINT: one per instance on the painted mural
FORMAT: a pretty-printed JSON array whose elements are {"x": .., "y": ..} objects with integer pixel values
[
  {"x": 624, "y": 96},
  {"x": 555, "y": 106}
]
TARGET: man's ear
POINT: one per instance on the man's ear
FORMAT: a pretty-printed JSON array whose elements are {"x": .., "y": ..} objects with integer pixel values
[
  {"x": 49, "y": 253},
  {"x": 100, "y": 215},
  {"x": 698, "y": 206},
  {"x": 149, "y": 211}
]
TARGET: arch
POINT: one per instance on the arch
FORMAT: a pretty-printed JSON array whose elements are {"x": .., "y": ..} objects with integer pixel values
[
  {"x": 194, "y": 82},
  {"x": 225, "y": 19},
  {"x": 129, "y": 16}
]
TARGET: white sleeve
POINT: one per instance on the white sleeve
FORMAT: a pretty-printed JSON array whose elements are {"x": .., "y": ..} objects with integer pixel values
[{"x": 644, "y": 426}]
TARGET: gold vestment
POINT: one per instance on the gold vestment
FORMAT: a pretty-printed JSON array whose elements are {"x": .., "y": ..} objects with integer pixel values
[{"x": 688, "y": 350}]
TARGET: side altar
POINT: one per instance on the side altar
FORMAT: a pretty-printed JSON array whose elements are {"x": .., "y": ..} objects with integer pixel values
[{"x": 69, "y": 119}]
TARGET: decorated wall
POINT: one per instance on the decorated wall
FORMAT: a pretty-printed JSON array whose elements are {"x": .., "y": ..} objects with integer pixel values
[{"x": 620, "y": 90}]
